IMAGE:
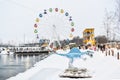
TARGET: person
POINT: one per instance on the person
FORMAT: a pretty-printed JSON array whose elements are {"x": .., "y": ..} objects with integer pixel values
[
  {"x": 79, "y": 47},
  {"x": 103, "y": 47},
  {"x": 98, "y": 47}
]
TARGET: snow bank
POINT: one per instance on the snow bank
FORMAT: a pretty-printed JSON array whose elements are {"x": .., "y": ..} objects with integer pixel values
[{"x": 101, "y": 67}]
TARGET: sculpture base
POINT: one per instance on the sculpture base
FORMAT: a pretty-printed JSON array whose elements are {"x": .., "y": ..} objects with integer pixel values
[{"x": 75, "y": 73}]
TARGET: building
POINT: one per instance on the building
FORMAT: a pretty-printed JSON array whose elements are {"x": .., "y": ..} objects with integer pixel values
[{"x": 88, "y": 36}]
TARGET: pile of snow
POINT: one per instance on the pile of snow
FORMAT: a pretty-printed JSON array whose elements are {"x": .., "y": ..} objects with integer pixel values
[
  {"x": 101, "y": 67},
  {"x": 4, "y": 52}
]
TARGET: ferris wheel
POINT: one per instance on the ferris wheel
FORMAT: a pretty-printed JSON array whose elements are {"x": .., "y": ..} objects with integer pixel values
[{"x": 54, "y": 23}]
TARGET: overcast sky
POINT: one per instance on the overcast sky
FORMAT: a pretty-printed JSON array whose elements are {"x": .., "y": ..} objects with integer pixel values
[{"x": 17, "y": 17}]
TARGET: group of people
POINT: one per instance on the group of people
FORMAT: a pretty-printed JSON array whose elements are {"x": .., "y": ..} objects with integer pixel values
[{"x": 99, "y": 47}]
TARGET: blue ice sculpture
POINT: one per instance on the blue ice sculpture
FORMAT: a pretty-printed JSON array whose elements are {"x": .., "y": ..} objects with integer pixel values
[{"x": 75, "y": 53}]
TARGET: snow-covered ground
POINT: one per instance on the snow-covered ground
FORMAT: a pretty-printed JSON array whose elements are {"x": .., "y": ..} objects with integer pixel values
[{"x": 100, "y": 66}]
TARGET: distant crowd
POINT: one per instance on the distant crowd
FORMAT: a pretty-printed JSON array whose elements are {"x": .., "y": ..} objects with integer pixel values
[{"x": 100, "y": 47}]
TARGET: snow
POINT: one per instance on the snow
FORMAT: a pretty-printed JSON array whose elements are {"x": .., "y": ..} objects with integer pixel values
[
  {"x": 5, "y": 52},
  {"x": 100, "y": 66}
]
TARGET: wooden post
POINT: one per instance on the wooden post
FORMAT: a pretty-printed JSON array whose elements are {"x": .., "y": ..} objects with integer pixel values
[
  {"x": 112, "y": 52},
  {"x": 106, "y": 52},
  {"x": 109, "y": 52},
  {"x": 118, "y": 57}
]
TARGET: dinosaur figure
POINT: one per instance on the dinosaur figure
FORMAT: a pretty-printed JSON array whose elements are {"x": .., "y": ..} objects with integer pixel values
[{"x": 75, "y": 53}]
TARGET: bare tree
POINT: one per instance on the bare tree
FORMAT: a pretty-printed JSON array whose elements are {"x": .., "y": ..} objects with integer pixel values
[
  {"x": 101, "y": 39},
  {"x": 112, "y": 23},
  {"x": 108, "y": 22},
  {"x": 117, "y": 18},
  {"x": 117, "y": 12}
]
